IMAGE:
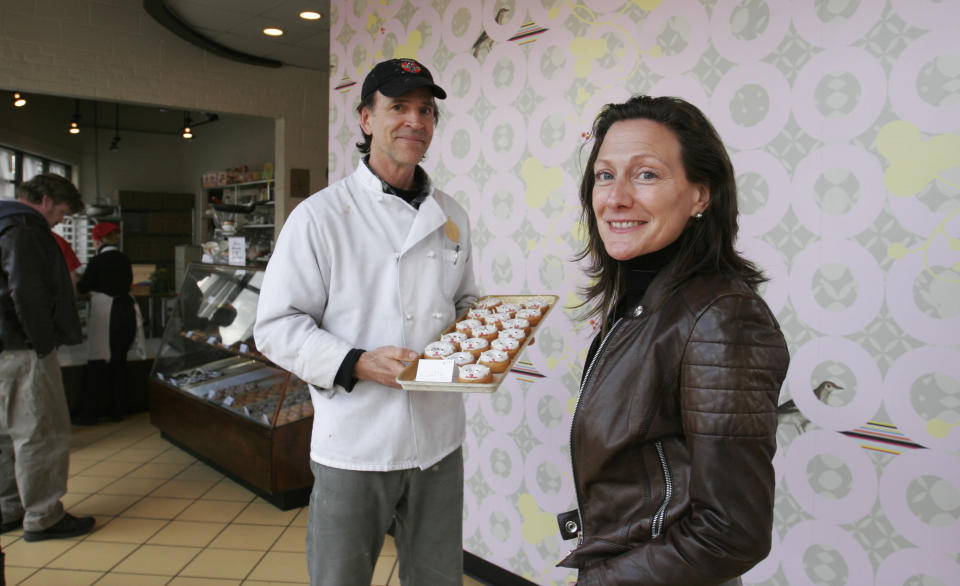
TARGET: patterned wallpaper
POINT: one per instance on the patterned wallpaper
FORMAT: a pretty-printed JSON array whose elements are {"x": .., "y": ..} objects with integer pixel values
[{"x": 843, "y": 121}]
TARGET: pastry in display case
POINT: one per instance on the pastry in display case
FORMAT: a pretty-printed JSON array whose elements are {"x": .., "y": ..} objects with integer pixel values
[{"x": 215, "y": 395}]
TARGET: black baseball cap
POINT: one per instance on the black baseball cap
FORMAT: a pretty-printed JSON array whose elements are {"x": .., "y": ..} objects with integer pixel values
[{"x": 396, "y": 77}]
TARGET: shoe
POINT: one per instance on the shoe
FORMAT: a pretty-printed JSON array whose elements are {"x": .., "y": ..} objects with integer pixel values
[
  {"x": 11, "y": 525},
  {"x": 69, "y": 526}
]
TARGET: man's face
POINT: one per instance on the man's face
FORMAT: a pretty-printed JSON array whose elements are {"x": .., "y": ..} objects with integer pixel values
[
  {"x": 401, "y": 127},
  {"x": 53, "y": 212}
]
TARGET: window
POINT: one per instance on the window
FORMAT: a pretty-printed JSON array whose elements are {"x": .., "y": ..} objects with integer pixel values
[{"x": 17, "y": 166}]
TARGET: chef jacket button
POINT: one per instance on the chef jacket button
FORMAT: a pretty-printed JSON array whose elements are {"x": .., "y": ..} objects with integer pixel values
[
  {"x": 431, "y": 254},
  {"x": 438, "y": 315},
  {"x": 408, "y": 316}
]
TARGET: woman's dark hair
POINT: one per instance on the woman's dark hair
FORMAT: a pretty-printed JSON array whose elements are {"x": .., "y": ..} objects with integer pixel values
[
  {"x": 368, "y": 102},
  {"x": 706, "y": 245}
]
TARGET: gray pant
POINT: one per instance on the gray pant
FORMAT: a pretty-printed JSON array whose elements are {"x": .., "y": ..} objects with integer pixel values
[
  {"x": 34, "y": 439},
  {"x": 350, "y": 511}
]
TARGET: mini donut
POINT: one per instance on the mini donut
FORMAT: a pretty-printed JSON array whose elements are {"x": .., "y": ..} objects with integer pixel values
[
  {"x": 475, "y": 346},
  {"x": 486, "y": 331},
  {"x": 468, "y": 324},
  {"x": 536, "y": 303},
  {"x": 515, "y": 333},
  {"x": 518, "y": 323},
  {"x": 475, "y": 373},
  {"x": 489, "y": 302},
  {"x": 461, "y": 358},
  {"x": 478, "y": 313},
  {"x": 439, "y": 350},
  {"x": 497, "y": 360},
  {"x": 531, "y": 314},
  {"x": 508, "y": 345},
  {"x": 510, "y": 308},
  {"x": 496, "y": 319},
  {"x": 455, "y": 338}
]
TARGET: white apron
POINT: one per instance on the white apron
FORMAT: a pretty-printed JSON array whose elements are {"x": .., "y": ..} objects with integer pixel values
[{"x": 98, "y": 328}]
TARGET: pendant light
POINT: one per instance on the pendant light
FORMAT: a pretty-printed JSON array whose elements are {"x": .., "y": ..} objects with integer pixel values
[
  {"x": 18, "y": 100},
  {"x": 75, "y": 121},
  {"x": 115, "y": 143},
  {"x": 186, "y": 132}
]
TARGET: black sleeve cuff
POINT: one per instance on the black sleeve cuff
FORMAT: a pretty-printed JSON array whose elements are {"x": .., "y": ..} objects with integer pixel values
[{"x": 345, "y": 376}]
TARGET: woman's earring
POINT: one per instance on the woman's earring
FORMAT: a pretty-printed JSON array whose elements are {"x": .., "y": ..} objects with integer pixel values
[{"x": 699, "y": 216}]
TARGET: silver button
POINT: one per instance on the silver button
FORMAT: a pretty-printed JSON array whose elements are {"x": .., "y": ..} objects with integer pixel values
[
  {"x": 431, "y": 254},
  {"x": 571, "y": 526},
  {"x": 438, "y": 315},
  {"x": 408, "y": 316},
  {"x": 638, "y": 311}
]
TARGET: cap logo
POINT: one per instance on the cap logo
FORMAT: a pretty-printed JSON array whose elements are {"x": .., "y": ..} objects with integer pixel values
[{"x": 410, "y": 66}]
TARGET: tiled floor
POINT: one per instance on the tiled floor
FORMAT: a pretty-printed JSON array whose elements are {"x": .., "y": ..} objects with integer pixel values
[{"x": 164, "y": 518}]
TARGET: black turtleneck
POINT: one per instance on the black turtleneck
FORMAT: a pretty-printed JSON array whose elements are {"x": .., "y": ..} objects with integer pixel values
[{"x": 637, "y": 274}]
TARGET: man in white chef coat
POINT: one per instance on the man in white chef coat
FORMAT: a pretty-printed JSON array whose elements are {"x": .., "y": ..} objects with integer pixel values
[{"x": 365, "y": 274}]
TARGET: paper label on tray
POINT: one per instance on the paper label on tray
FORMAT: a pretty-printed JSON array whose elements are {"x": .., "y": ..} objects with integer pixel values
[
  {"x": 228, "y": 401},
  {"x": 244, "y": 348},
  {"x": 435, "y": 371}
]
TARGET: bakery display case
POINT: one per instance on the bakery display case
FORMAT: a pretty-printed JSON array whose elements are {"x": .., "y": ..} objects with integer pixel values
[{"x": 213, "y": 394}]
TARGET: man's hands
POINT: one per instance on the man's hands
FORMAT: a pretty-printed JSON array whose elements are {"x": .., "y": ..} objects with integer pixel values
[{"x": 383, "y": 364}]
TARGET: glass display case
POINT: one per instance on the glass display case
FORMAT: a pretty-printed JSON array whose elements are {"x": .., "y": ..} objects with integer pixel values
[{"x": 215, "y": 395}]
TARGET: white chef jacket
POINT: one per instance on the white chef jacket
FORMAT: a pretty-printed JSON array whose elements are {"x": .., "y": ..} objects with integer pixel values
[{"x": 355, "y": 267}]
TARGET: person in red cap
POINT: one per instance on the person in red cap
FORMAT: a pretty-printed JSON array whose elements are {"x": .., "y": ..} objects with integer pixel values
[
  {"x": 112, "y": 326},
  {"x": 365, "y": 273}
]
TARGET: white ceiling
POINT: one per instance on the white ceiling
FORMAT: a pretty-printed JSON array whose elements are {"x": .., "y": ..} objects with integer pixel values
[{"x": 239, "y": 24}]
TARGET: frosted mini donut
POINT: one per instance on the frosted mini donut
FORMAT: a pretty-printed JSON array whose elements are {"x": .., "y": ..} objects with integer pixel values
[
  {"x": 436, "y": 350},
  {"x": 510, "y": 308},
  {"x": 496, "y": 319},
  {"x": 515, "y": 333},
  {"x": 489, "y": 302},
  {"x": 461, "y": 358},
  {"x": 531, "y": 314},
  {"x": 478, "y": 313},
  {"x": 455, "y": 338},
  {"x": 475, "y": 373},
  {"x": 536, "y": 303},
  {"x": 467, "y": 325},
  {"x": 497, "y": 360},
  {"x": 518, "y": 323},
  {"x": 487, "y": 331},
  {"x": 508, "y": 345},
  {"x": 475, "y": 346}
]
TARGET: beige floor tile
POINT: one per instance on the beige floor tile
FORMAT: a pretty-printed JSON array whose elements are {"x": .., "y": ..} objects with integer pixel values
[
  {"x": 468, "y": 581},
  {"x": 256, "y": 537},
  {"x": 383, "y": 569},
  {"x": 17, "y": 575},
  {"x": 389, "y": 546},
  {"x": 61, "y": 578},
  {"x": 137, "y": 454},
  {"x": 133, "y": 486},
  {"x": 281, "y": 566},
  {"x": 87, "y": 484},
  {"x": 157, "y": 470},
  {"x": 124, "y": 530},
  {"x": 213, "y": 511},
  {"x": 394, "y": 578},
  {"x": 187, "y": 489},
  {"x": 158, "y": 507},
  {"x": 9, "y": 538},
  {"x": 163, "y": 560},
  {"x": 91, "y": 453},
  {"x": 186, "y": 581},
  {"x": 293, "y": 539},
  {"x": 119, "y": 579},
  {"x": 72, "y": 498},
  {"x": 301, "y": 518},
  {"x": 228, "y": 490},
  {"x": 93, "y": 555},
  {"x": 109, "y": 467},
  {"x": 200, "y": 471},
  {"x": 104, "y": 504},
  {"x": 153, "y": 441},
  {"x": 222, "y": 563},
  {"x": 78, "y": 465},
  {"x": 187, "y": 533},
  {"x": 37, "y": 554},
  {"x": 260, "y": 512},
  {"x": 174, "y": 456}
]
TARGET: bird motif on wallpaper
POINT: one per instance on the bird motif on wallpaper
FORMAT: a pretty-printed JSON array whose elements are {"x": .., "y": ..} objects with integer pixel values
[
  {"x": 484, "y": 43},
  {"x": 790, "y": 414}
]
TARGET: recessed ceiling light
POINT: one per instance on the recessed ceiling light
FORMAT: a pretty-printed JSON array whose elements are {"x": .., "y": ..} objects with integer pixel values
[
  {"x": 272, "y": 31},
  {"x": 310, "y": 15}
]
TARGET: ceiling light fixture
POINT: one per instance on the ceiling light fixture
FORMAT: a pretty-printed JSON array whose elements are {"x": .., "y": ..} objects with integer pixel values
[
  {"x": 271, "y": 31},
  {"x": 310, "y": 15},
  {"x": 186, "y": 132},
  {"x": 75, "y": 121},
  {"x": 115, "y": 143},
  {"x": 18, "y": 100}
]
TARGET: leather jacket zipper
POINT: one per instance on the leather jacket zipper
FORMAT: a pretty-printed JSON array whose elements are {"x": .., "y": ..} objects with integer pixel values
[
  {"x": 656, "y": 527},
  {"x": 583, "y": 385}
]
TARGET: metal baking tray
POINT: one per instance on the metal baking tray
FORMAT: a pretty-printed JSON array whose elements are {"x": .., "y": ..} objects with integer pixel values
[{"x": 407, "y": 377}]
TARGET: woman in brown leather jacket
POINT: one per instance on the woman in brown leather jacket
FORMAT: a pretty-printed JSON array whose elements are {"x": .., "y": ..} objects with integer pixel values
[{"x": 674, "y": 432}]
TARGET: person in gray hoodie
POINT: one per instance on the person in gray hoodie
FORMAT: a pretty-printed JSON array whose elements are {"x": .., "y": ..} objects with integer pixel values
[{"x": 38, "y": 312}]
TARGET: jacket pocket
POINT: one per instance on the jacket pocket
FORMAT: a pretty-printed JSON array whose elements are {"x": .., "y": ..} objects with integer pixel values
[{"x": 656, "y": 525}]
